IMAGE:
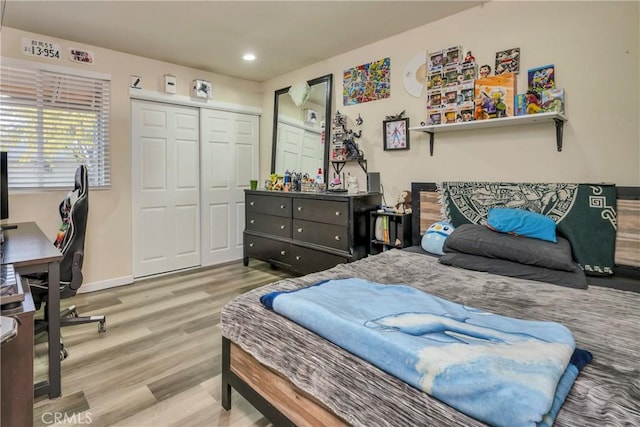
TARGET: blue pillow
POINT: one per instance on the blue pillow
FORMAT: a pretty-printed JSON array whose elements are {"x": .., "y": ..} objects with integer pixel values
[
  {"x": 522, "y": 223},
  {"x": 434, "y": 237}
]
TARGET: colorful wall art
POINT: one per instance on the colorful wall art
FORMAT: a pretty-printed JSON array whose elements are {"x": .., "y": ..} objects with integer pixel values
[{"x": 367, "y": 82}]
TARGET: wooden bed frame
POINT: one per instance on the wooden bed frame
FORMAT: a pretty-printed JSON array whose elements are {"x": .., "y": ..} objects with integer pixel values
[{"x": 284, "y": 404}]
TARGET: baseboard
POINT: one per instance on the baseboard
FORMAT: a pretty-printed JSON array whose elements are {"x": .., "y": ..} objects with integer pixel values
[{"x": 105, "y": 284}]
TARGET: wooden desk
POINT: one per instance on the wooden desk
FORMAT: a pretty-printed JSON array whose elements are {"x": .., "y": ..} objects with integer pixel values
[
  {"x": 31, "y": 251},
  {"x": 17, "y": 367}
]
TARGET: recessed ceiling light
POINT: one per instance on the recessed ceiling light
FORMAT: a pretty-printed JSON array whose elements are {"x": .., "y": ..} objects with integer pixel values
[{"x": 249, "y": 57}]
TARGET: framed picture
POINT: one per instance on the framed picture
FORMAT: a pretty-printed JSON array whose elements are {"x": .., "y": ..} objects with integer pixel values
[{"x": 396, "y": 134}]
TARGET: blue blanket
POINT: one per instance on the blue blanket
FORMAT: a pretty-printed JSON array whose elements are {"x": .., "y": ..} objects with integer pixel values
[{"x": 499, "y": 370}]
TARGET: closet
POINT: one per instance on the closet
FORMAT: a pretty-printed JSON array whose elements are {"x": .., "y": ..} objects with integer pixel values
[{"x": 190, "y": 167}]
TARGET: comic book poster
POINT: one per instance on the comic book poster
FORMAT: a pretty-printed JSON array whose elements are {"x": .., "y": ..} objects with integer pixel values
[
  {"x": 508, "y": 61},
  {"x": 494, "y": 96},
  {"x": 541, "y": 78},
  {"x": 367, "y": 82}
]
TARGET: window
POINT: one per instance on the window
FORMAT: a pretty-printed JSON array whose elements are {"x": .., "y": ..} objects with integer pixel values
[{"x": 53, "y": 119}]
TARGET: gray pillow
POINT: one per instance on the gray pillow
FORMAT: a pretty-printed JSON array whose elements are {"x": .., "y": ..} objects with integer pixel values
[
  {"x": 574, "y": 279},
  {"x": 479, "y": 240}
]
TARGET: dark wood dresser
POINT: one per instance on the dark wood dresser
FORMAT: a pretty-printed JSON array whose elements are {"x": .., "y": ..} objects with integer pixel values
[{"x": 307, "y": 232}]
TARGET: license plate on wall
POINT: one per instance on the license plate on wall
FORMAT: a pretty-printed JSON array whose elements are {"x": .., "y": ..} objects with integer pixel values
[{"x": 40, "y": 49}]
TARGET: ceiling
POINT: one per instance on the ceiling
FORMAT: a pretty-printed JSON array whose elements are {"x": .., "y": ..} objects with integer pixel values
[{"x": 213, "y": 35}]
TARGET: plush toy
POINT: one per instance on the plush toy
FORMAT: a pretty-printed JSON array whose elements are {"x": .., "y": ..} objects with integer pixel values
[
  {"x": 434, "y": 237},
  {"x": 403, "y": 204}
]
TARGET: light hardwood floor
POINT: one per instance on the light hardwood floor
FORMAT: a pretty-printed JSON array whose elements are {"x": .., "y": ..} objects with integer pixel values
[{"x": 159, "y": 362}]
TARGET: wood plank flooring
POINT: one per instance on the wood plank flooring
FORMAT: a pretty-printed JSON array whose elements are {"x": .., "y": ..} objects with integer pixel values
[{"x": 159, "y": 362}]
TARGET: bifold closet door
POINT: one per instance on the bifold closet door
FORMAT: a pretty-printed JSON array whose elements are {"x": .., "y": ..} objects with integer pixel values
[
  {"x": 165, "y": 187},
  {"x": 229, "y": 160}
]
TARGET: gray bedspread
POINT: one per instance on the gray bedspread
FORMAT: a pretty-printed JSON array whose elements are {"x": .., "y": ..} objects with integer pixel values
[{"x": 604, "y": 321}]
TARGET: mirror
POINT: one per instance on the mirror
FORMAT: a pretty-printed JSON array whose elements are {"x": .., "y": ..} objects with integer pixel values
[{"x": 301, "y": 133}]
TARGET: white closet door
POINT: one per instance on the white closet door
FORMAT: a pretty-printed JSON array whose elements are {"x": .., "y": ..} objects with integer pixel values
[
  {"x": 290, "y": 140},
  {"x": 165, "y": 181},
  {"x": 311, "y": 153},
  {"x": 229, "y": 153}
]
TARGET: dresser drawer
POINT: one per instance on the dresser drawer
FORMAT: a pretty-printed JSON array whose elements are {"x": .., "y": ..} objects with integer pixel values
[
  {"x": 333, "y": 236},
  {"x": 266, "y": 249},
  {"x": 327, "y": 211},
  {"x": 305, "y": 260},
  {"x": 269, "y": 205},
  {"x": 269, "y": 224}
]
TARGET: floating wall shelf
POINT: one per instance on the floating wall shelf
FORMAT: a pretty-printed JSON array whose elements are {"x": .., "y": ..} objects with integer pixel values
[{"x": 528, "y": 119}]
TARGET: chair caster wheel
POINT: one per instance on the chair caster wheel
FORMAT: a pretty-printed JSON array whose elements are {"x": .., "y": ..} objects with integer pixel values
[
  {"x": 63, "y": 354},
  {"x": 102, "y": 327}
]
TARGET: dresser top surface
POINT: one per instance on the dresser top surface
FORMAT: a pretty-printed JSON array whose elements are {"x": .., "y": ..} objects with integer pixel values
[{"x": 328, "y": 195}]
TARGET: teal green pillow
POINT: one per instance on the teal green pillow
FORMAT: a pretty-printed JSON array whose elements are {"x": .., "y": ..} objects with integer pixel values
[{"x": 522, "y": 223}]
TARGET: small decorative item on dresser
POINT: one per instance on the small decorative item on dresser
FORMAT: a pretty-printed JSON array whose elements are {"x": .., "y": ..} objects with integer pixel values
[{"x": 201, "y": 89}]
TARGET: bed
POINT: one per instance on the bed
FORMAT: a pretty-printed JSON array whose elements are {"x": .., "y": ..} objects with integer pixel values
[{"x": 295, "y": 377}]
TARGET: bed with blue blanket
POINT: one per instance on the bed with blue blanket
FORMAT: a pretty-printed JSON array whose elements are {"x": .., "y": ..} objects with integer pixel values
[{"x": 400, "y": 339}]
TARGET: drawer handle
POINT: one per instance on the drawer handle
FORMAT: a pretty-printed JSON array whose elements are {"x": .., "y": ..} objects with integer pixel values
[
  {"x": 298, "y": 257},
  {"x": 253, "y": 221},
  {"x": 282, "y": 252},
  {"x": 299, "y": 208},
  {"x": 338, "y": 213},
  {"x": 300, "y": 230},
  {"x": 250, "y": 245},
  {"x": 282, "y": 227},
  {"x": 252, "y": 203},
  {"x": 337, "y": 237},
  {"x": 282, "y": 206}
]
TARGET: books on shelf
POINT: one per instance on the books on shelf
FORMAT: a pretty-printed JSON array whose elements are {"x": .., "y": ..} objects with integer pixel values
[
  {"x": 385, "y": 229},
  {"x": 552, "y": 100}
]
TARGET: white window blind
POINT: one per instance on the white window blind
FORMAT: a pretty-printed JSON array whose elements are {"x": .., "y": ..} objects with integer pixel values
[{"x": 51, "y": 122}]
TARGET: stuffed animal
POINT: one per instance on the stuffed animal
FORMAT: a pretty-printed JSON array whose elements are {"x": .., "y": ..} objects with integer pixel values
[
  {"x": 434, "y": 237},
  {"x": 403, "y": 204}
]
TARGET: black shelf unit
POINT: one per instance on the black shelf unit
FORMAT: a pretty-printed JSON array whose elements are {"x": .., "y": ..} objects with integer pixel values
[
  {"x": 339, "y": 164},
  {"x": 399, "y": 230}
]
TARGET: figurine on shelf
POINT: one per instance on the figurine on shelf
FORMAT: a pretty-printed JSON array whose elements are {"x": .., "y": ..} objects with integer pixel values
[
  {"x": 353, "y": 152},
  {"x": 484, "y": 70},
  {"x": 533, "y": 102},
  {"x": 345, "y": 146},
  {"x": 469, "y": 58}
]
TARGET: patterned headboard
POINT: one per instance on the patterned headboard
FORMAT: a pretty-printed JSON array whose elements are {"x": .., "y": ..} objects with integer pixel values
[{"x": 427, "y": 210}]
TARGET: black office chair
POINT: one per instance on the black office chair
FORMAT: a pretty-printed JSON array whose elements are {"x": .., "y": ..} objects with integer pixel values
[{"x": 74, "y": 211}]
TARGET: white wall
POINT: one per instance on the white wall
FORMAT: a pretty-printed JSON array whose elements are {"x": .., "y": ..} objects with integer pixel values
[
  {"x": 108, "y": 244},
  {"x": 594, "y": 47}
]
